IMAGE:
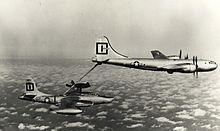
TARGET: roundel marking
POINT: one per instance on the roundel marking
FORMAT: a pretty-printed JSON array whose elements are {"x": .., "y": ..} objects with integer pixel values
[
  {"x": 136, "y": 63},
  {"x": 47, "y": 99}
]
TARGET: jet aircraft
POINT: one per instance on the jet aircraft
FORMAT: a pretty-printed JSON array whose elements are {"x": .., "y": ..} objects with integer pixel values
[
  {"x": 106, "y": 54},
  {"x": 70, "y": 102}
]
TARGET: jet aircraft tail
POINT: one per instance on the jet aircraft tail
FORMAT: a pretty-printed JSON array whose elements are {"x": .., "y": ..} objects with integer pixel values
[
  {"x": 31, "y": 88},
  {"x": 104, "y": 51}
]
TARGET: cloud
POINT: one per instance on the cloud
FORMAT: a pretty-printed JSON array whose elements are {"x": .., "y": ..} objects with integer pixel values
[
  {"x": 169, "y": 106},
  {"x": 41, "y": 110},
  {"x": 84, "y": 117},
  {"x": 14, "y": 113},
  {"x": 164, "y": 119},
  {"x": 207, "y": 126},
  {"x": 3, "y": 119},
  {"x": 56, "y": 128},
  {"x": 101, "y": 117},
  {"x": 124, "y": 105},
  {"x": 79, "y": 124},
  {"x": 148, "y": 108},
  {"x": 184, "y": 115},
  {"x": 138, "y": 115},
  {"x": 12, "y": 108},
  {"x": 127, "y": 119},
  {"x": 102, "y": 113},
  {"x": 199, "y": 112},
  {"x": 181, "y": 128},
  {"x": 21, "y": 126},
  {"x": 39, "y": 118},
  {"x": 215, "y": 116},
  {"x": 25, "y": 114},
  {"x": 135, "y": 126},
  {"x": 31, "y": 127},
  {"x": 2, "y": 108}
]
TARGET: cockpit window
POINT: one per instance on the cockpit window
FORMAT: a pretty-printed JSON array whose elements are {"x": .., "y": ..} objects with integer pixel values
[{"x": 212, "y": 62}]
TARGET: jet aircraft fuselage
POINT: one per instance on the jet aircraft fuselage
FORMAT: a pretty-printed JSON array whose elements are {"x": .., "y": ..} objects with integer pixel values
[{"x": 69, "y": 102}]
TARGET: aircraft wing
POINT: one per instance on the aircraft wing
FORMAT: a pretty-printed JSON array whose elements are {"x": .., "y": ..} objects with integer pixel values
[
  {"x": 67, "y": 106},
  {"x": 70, "y": 91},
  {"x": 68, "y": 102},
  {"x": 77, "y": 88},
  {"x": 175, "y": 66},
  {"x": 183, "y": 67}
]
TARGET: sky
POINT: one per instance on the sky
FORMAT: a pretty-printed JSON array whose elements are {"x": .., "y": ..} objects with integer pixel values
[{"x": 69, "y": 28}]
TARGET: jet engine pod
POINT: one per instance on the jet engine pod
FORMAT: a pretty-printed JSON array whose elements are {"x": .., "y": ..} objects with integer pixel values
[{"x": 68, "y": 111}]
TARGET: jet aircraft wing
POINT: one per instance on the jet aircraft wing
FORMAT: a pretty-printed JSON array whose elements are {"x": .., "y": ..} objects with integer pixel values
[
  {"x": 77, "y": 88},
  {"x": 67, "y": 106}
]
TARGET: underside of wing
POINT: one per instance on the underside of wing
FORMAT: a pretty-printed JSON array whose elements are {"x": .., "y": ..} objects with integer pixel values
[
  {"x": 176, "y": 66},
  {"x": 67, "y": 106},
  {"x": 77, "y": 88}
]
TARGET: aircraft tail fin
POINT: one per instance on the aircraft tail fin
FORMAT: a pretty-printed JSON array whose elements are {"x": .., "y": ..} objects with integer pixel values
[
  {"x": 104, "y": 51},
  {"x": 31, "y": 88},
  {"x": 158, "y": 55}
]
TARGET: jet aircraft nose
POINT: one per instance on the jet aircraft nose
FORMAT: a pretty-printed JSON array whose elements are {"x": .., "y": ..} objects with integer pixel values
[
  {"x": 214, "y": 65},
  {"x": 21, "y": 97},
  {"x": 109, "y": 100}
]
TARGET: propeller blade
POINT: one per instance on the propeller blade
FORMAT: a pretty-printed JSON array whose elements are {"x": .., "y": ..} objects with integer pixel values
[
  {"x": 197, "y": 74},
  {"x": 196, "y": 60},
  {"x": 193, "y": 60},
  {"x": 187, "y": 57},
  {"x": 180, "y": 54}
]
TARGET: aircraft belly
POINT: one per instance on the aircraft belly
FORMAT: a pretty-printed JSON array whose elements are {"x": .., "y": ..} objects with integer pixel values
[
  {"x": 134, "y": 64},
  {"x": 96, "y": 99},
  {"x": 148, "y": 64}
]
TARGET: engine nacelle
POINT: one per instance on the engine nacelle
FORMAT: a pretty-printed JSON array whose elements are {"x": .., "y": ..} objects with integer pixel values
[{"x": 189, "y": 68}]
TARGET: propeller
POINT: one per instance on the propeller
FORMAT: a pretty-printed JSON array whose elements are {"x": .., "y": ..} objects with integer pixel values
[
  {"x": 187, "y": 57},
  {"x": 195, "y": 62},
  {"x": 180, "y": 54}
]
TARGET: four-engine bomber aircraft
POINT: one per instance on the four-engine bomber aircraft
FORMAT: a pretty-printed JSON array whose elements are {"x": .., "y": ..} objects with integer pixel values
[
  {"x": 70, "y": 102},
  {"x": 104, "y": 55}
]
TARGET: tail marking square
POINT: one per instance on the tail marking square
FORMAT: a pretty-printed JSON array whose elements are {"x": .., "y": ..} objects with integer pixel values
[{"x": 101, "y": 48}]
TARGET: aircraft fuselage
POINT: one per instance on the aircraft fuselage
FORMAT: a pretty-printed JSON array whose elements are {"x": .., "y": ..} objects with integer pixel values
[
  {"x": 162, "y": 64},
  {"x": 83, "y": 99}
]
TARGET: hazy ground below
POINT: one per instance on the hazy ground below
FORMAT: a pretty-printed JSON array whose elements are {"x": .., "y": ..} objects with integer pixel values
[{"x": 144, "y": 100}]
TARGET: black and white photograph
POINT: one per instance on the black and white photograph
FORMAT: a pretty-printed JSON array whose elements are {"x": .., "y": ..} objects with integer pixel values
[{"x": 109, "y": 65}]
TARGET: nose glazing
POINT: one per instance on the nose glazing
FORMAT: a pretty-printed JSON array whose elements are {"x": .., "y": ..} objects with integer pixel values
[{"x": 216, "y": 65}]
